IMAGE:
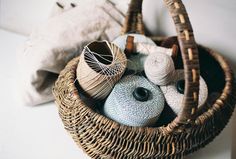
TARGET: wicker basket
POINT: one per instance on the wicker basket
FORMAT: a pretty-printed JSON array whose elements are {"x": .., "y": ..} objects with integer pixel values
[{"x": 101, "y": 137}]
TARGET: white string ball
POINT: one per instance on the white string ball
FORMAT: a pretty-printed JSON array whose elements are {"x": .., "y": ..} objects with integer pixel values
[
  {"x": 124, "y": 107},
  {"x": 101, "y": 65},
  {"x": 174, "y": 98},
  {"x": 159, "y": 68}
]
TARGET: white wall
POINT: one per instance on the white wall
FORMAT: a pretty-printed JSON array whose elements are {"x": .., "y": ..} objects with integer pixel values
[{"x": 22, "y": 15}]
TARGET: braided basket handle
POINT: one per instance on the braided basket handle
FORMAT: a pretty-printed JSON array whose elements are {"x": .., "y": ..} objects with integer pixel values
[
  {"x": 188, "y": 46},
  {"x": 134, "y": 19}
]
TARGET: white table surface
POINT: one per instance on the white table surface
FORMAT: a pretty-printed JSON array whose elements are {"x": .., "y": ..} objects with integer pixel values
[{"x": 37, "y": 132}]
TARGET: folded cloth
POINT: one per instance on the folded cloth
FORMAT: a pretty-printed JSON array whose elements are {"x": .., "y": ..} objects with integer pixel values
[{"x": 59, "y": 39}]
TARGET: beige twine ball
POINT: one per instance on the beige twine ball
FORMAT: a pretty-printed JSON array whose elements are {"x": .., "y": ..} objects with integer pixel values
[{"x": 101, "y": 65}]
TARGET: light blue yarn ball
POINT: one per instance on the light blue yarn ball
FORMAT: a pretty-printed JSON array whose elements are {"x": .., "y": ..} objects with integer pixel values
[{"x": 122, "y": 107}]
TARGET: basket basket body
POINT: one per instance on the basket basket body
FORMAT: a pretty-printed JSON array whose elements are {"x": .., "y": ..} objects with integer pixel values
[{"x": 101, "y": 137}]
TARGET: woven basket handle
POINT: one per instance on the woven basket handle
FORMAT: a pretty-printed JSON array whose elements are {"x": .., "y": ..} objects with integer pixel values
[
  {"x": 134, "y": 19},
  {"x": 189, "y": 51}
]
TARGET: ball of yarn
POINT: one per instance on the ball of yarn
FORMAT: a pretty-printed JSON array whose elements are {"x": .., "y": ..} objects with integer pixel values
[
  {"x": 134, "y": 101},
  {"x": 101, "y": 65},
  {"x": 174, "y": 97},
  {"x": 168, "y": 43},
  {"x": 136, "y": 61},
  {"x": 159, "y": 68}
]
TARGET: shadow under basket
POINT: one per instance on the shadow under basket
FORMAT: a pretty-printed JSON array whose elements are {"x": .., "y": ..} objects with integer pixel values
[{"x": 101, "y": 137}]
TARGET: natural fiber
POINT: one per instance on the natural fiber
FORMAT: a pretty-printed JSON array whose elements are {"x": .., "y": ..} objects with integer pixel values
[
  {"x": 174, "y": 98},
  {"x": 159, "y": 68},
  {"x": 122, "y": 106},
  {"x": 101, "y": 137},
  {"x": 102, "y": 64}
]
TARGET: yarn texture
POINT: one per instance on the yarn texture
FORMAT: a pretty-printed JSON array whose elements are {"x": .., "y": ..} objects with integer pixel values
[
  {"x": 121, "y": 105},
  {"x": 159, "y": 68},
  {"x": 101, "y": 65},
  {"x": 174, "y": 98}
]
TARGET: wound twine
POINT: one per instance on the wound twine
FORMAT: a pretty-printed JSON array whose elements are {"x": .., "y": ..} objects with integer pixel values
[
  {"x": 174, "y": 98},
  {"x": 159, "y": 68},
  {"x": 122, "y": 107},
  {"x": 101, "y": 65}
]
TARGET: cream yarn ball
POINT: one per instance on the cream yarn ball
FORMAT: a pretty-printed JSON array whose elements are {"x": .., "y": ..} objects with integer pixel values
[
  {"x": 174, "y": 98},
  {"x": 159, "y": 68},
  {"x": 101, "y": 65}
]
